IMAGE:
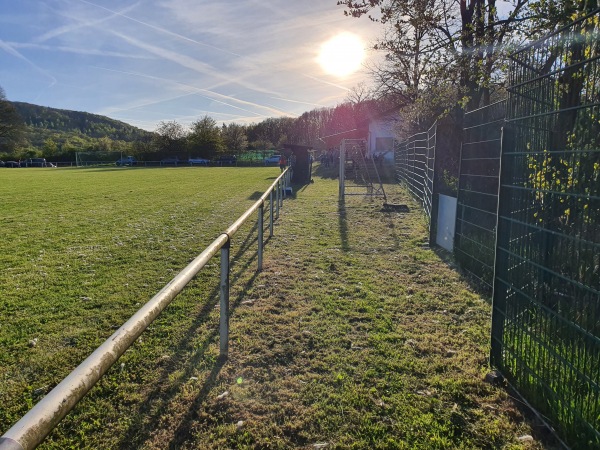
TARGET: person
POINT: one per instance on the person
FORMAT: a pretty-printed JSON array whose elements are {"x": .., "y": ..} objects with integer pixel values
[{"x": 282, "y": 162}]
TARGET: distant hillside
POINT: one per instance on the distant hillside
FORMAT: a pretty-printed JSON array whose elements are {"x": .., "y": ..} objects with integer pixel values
[{"x": 75, "y": 129}]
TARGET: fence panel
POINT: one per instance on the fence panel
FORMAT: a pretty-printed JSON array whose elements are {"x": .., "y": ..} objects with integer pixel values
[
  {"x": 410, "y": 164},
  {"x": 546, "y": 310},
  {"x": 415, "y": 166},
  {"x": 429, "y": 175},
  {"x": 477, "y": 202}
]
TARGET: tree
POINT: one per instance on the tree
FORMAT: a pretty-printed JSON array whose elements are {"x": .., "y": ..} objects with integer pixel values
[
  {"x": 205, "y": 138},
  {"x": 433, "y": 42},
  {"x": 359, "y": 94},
  {"x": 169, "y": 137},
  {"x": 50, "y": 148},
  {"x": 12, "y": 127},
  {"x": 234, "y": 137},
  {"x": 270, "y": 131}
]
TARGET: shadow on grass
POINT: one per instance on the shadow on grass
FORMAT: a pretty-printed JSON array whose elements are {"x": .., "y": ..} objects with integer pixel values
[
  {"x": 332, "y": 172},
  {"x": 166, "y": 391},
  {"x": 478, "y": 285},
  {"x": 343, "y": 225}
]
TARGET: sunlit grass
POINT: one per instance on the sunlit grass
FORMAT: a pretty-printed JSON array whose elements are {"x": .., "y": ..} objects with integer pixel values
[
  {"x": 355, "y": 335},
  {"x": 82, "y": 249}
]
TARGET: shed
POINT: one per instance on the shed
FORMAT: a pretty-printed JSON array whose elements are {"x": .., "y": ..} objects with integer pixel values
[{"x": 301, "y": 162}]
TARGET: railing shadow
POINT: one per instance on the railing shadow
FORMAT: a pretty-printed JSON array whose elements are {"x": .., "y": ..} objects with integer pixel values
[
  {"x": 136, "y": 436},
  {"x": 343, "y": 225}
]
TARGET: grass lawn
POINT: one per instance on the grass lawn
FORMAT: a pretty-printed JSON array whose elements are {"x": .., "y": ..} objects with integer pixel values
[{"x": 355, "y": 335}]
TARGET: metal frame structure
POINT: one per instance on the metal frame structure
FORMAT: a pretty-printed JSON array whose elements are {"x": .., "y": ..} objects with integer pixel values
[
  {"x": 34, "y": 426},
  {"x": 358, "y": 174}
]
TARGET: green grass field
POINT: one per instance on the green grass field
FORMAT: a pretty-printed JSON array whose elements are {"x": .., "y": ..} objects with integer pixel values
[
  {"x": 81, "y": 250},
  {"x": 355, "y": 335}
]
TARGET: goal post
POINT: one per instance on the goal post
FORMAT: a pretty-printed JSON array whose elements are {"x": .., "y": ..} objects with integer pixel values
[
  {"x": 86, "y": 159},
  {"x": 358, "y": 171}
]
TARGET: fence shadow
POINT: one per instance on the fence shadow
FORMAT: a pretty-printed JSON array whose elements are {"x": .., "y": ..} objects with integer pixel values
[{"x": 138, "y": 433}]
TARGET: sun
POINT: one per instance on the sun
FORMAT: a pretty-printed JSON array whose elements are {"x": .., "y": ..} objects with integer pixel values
[{"x": 342, "y": 55}]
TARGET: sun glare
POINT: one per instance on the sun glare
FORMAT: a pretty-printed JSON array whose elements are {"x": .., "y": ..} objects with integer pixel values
[{"x": 342, "y": 55}]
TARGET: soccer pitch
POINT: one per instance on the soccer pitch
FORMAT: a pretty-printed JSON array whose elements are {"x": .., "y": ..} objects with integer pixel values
[{"x": 83, "y": 249}]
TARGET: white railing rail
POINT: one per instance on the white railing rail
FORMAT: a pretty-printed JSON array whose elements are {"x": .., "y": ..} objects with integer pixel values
[{"x": 34, "y": 426}]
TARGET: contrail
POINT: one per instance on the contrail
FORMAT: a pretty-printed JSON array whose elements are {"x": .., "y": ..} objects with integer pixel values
[
  {"x": 205, "y": 93},
  {"x": 326, "y": 82},
  {"x": 197, "y": 66},
  {"x": 10, "y": 50},
  {"x": 297, "y": 101},
  {"x": 68, "y": 28},
  {"x": 162, "y": 30},
  {"x": 80, "y": 51}
]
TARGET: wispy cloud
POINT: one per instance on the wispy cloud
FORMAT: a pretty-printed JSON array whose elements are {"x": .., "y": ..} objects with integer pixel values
[
  {"x": 202, "y": 68},
  {"x": 297, "y": 101}
]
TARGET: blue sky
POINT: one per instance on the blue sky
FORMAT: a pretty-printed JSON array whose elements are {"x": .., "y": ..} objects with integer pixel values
[{"x": 148, "y": 61}]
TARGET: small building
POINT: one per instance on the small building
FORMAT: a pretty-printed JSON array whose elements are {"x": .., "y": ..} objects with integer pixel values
[
  {"x": 301, "y": 160},
  {"x": 377, "y": 131},
  {"x": 380, "y": 141}
]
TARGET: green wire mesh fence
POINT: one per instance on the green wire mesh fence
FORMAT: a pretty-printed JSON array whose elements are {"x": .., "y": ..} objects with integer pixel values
[
  {"x": 546, "y": 307},
  {"x": 477, "y": 199}
]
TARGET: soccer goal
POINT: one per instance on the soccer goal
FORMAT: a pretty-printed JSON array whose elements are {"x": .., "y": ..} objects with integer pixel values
[
  {"x": 86, "y": 159},
  {"x": 358, "y": 172}
]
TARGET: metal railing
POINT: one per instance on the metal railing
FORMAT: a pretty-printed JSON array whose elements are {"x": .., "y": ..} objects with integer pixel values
[{"x": 34, "y": 426}]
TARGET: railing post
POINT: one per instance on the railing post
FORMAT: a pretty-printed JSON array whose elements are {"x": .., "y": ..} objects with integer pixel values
[
  {"x": 278, "y": 199},
  {"x": 261, "y": 211},
  {"x": 282, "y": 187},
  {"x": 271, "y": 213},
  {"x": 342, "y": 169},
  {"x": 224, "y": 306}
]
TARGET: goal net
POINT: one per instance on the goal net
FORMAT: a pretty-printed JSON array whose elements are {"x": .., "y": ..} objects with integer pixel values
[{"x": 85, "y": 159}]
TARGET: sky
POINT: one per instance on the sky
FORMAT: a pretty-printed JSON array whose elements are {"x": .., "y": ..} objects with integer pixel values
[{"x": 147, "y": 61}]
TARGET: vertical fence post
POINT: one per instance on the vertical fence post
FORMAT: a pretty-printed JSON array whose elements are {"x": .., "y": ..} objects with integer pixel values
[
  {"x": 282, "y": 191},
  {"x": 342, "y": 168},
  {"x": 271, "y": 213},
  {"x": 277, "y": 200},
  {"x": 224, "y": 310},
  {"x": 261, "y": 211}
]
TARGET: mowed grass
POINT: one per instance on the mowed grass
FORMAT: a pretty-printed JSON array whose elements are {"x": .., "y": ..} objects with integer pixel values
[
  {"x": 355, "y": 335},
  {"x": 81, "y": 250}
]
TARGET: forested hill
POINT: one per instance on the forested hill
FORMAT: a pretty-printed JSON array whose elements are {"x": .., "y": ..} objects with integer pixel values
[{"x": 39, "y": 118}]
